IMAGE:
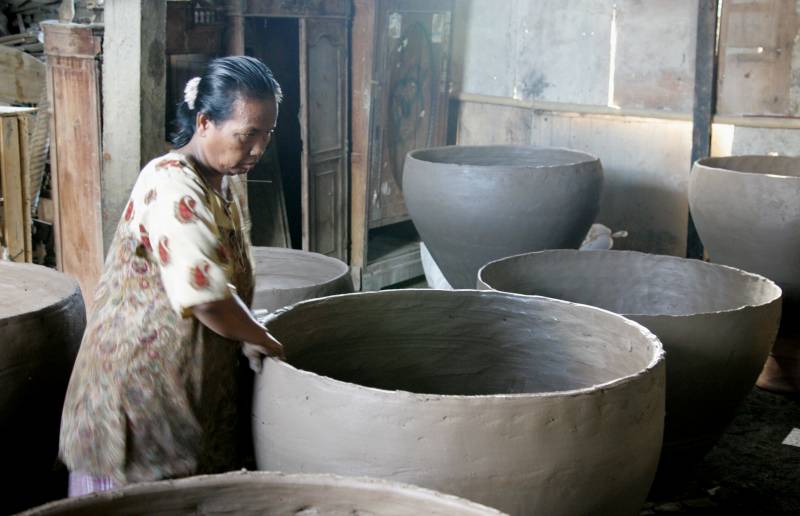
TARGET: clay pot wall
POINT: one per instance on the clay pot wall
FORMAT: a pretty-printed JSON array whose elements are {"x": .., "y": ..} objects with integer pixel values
[
  {"x": 42, "y": 318},
  {"x": 717, "y": 325},
  {"x": 529, "y": 405},
  {"x": 472, "y": 205}
]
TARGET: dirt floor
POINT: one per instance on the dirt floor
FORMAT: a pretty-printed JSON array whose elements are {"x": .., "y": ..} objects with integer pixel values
[{"x": 750, "y": 471}]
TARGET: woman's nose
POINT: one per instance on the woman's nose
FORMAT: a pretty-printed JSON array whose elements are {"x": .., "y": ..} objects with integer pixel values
[{"x": 259, "y": 148}]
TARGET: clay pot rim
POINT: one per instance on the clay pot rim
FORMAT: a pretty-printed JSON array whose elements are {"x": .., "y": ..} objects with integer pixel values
[
  {"x": 777, "y": 292},
  {"x": 657, "y": 350},
  {"x": 257, "y": 478},
  {"x": 706, "y": 163},
  {"x": 344, "y": 268},
  {"x": 55, "y": 306},
  {"x": 415, "y": 156}
]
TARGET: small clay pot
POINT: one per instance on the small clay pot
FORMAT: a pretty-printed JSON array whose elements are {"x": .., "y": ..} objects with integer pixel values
[
  {"x": 286, "y": 276},
  {"x": 475, "y": 204},
  {"x": 266, "y": 493},
  {"x": 526, "y": 404},
  {"x": 717, "y": 325},
  {"x": 42, "y": 318}
]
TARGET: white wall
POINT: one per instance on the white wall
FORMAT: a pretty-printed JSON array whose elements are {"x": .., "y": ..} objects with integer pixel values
[{"x": 630, "y": 55}]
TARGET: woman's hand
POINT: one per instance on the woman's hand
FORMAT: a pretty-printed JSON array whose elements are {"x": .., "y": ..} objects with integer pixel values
[
  {"x": 255, "y": 353},
  {"x": 231, "y": 319}
]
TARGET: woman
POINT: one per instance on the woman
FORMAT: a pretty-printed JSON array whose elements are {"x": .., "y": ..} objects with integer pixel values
[{"x": 152, "y": 394}]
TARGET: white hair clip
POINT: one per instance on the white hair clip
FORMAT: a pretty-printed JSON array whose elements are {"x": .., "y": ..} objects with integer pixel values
[{"x": 190, "y": 92}]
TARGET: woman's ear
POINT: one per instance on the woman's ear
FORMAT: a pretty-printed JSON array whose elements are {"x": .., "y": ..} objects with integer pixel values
[{"x": 202, "y": 123}]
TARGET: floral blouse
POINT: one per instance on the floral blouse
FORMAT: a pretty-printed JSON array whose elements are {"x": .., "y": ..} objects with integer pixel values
[{"x": 153, "y": 392}]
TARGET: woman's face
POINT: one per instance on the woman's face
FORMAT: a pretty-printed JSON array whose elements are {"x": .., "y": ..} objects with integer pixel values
[{"x": 234, "y": 146}]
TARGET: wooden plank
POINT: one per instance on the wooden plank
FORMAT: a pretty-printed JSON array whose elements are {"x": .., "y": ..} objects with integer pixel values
[
  {"x": 46, "y": 211},
  {"x": 74, "y": 85},
  {"x": 704, "y": 77},
  {"x": 11, "y": 169},
  {"x": 71, "y": 39},
  {"x": 22, "y": 76},
  {"x": 25, "y": 167},
  {"x": 361, "y": 69},
  {"x": 756, "y": 44}
]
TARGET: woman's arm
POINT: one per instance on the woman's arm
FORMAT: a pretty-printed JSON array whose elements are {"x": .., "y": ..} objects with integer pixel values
[{"x": 231, "y": 319}]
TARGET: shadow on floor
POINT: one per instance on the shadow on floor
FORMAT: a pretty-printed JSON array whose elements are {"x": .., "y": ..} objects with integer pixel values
[{"x": 750, "y": 471}]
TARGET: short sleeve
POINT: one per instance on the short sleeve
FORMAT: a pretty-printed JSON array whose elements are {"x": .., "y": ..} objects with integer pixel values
[{"x": 178, "y": 228}]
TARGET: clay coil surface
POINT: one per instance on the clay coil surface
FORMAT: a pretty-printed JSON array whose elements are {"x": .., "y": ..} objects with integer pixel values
[
  {"x": 716, "y": 323},
  {"x": 520, "y": 403}
]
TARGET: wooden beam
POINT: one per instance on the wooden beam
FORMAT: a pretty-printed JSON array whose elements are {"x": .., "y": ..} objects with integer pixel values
[{"x": 704, "y": 97}]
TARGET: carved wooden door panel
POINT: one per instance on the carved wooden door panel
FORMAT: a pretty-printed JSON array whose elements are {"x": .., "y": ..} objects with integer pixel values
[
  {"x": 323, "y": 114},
  {"x": 414, "y": 55}
]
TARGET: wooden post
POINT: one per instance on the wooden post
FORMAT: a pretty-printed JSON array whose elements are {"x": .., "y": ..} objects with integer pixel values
[
  {"x": 134, "y": 91},
  {"x": 704, "y": 96},
  {"x": 14, "y": 174},
  {"x": 363, "y": 43}
]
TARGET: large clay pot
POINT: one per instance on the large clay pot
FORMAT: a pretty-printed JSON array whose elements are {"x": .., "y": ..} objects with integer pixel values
[
  {"x": 747, "y": 213},
  {"x": 717, "y": 325},
  {"x": 529, "y": 405},
  {"x": 286, "y": 276},
  {"x": 42, "y": 319},
  {"x": 472, "y": 205},
  {"x": 266, "y": 493}
]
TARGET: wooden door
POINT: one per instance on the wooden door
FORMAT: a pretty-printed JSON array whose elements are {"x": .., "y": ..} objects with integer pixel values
[
  {"x": 73, "y": 82},
  {"x": 323, "y": 119},
  {"x": 413, "y": 52}
]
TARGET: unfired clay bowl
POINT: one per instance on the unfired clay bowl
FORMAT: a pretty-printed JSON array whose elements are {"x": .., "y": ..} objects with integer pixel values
[
  {"x": 529, "y": 405},
  {"x": 286, "y": 276},
  {"x": 717, "y": 325},
  {"x": 267, "y": 493},
  {"x": 472, "y": 205},
  {"x": 42, "y": 318},
  {"x": 747, "y": 213}
]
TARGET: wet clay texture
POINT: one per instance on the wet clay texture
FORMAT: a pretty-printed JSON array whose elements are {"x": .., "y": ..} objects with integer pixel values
[
  {"x": 472, "y": 205},
  {"x": 267, "y": 493},
  {"x": 747, "y": 213},
  {"x": 526, "y": 404},
  {"x": 42, "y": 318},
  {"x": 716, "y": 323},
  {"x": 286, "y": 276}
]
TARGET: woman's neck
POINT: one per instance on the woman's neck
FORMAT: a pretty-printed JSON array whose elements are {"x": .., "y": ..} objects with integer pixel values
[{"x": 214, "y": 179}]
